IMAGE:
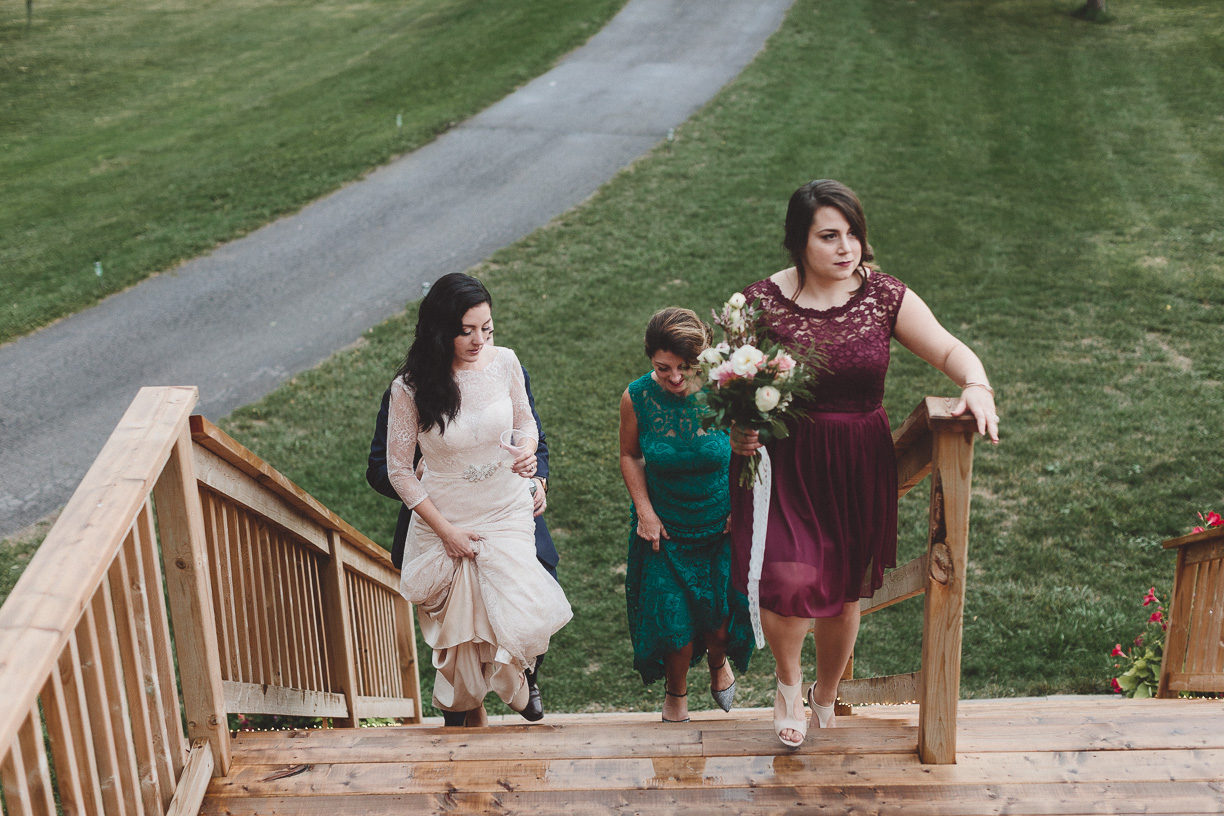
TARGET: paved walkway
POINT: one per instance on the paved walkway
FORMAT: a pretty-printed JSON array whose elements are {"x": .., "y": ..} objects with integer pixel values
[{"x": 243, "y": 319}]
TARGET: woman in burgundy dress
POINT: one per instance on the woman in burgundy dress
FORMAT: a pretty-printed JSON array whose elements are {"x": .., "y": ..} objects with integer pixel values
[{"x": 832, "y": 524}]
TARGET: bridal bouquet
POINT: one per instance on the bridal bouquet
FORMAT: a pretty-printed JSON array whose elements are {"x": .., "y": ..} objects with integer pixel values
[{"x": 753, "y": 382}]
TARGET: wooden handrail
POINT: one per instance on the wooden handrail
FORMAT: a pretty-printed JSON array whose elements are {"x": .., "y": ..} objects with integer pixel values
[
  {"x": 209, "y": 436},
  {"x": 930, "y": 442},
  {"x": 85, "y": 634},
  {"x": 278, "y": 606},
  {"x": 38, "y": 617}
]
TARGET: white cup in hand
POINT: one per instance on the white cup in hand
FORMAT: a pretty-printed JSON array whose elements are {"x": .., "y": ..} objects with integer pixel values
[{"x": 515, "y": 441}]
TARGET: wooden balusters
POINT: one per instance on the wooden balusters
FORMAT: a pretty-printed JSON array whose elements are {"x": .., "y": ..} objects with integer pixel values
[
  {"x": 25, "y": 774},
  {"x": 320, "y": 601},
  {"x": 139, "y": 675}
]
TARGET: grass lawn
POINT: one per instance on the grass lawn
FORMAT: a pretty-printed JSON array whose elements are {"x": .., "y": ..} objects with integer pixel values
[
  {"x": 1053, "y": 188},
  {"x": 137, "y": 135}
]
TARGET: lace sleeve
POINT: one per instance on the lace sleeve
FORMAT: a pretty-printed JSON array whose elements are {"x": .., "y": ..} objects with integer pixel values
[
  {"x": 524, "y": 419},
  {"x": 402, "y": 425}
]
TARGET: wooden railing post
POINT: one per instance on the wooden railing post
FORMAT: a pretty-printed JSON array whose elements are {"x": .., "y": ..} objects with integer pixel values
[
  {"x": 181, "y": 519},
  {"x": 338, "y": 624},
  {"x": 947, "y": 555},
  {"x": 405, "y": 634}
]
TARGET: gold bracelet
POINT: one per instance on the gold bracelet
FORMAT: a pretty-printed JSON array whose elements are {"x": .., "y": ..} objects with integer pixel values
[{"x": 989, "y": 390}]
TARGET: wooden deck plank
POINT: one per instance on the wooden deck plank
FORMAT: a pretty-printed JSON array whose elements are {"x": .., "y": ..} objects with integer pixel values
[
  {"x": 843, "y": 800},
  {"x": 444, "y": 744},
  {"x": 487, "y": 743},
  {"x": 809, "y": 768},
  {"x": 993, "y": 730}
]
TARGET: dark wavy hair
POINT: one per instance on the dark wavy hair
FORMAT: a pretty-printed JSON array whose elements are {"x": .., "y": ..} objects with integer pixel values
[
  {"x": 427, "y": 368},
  {"x": 801, "y": 210}
]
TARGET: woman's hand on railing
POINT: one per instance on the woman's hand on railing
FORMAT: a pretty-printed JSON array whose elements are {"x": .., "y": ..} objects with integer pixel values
[{"x": 978, "y": 400}]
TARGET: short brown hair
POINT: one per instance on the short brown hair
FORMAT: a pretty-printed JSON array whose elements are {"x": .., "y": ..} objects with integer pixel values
[{"x": 679, "y": 331}]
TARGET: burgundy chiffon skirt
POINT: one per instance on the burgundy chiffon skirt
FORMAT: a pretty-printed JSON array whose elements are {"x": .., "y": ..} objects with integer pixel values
[{"x": 832, "y": 515}]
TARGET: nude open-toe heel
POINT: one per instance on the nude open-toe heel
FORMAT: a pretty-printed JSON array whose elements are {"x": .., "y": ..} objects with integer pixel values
[
  {"x": 823, "y": 715},
  {"x": 787, "y": 720}
]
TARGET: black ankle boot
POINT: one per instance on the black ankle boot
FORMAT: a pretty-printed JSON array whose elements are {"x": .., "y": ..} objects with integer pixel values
[{"x": 534, "y": 710}]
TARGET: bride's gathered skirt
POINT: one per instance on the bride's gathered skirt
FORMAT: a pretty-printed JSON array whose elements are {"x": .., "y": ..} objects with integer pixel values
[{"x": 487, "y": 618}]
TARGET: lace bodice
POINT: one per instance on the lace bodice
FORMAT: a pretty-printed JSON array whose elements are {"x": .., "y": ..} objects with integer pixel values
[
  {"x": 492, "y": 400},
  {"x": 686, "y": 467},
  {"x": 852, "y": 338}
]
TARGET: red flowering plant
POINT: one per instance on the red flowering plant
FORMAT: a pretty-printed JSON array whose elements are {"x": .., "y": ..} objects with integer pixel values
[
  {"x": 1212, "y": 519},
  {"x": 751, "y": 381},
  {"x": 1139, "y": 663}
]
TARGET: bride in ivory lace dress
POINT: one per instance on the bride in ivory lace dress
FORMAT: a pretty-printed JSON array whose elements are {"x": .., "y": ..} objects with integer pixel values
[{"x": 486, "y": 606}]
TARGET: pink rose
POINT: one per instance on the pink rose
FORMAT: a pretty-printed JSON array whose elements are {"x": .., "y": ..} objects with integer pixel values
[{"x": 722, "y": 374}]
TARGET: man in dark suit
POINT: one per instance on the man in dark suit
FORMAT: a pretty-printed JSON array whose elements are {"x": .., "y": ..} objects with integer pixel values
[{"x": 546, "y": 551}]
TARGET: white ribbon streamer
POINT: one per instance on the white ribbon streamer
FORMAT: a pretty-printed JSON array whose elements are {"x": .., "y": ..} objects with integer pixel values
[{"x": 756, "y": 560}]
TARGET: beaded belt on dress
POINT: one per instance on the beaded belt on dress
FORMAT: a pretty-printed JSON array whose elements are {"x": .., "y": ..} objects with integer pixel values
[
  {"x": 471, "y": 473},
  {"x": 477, "y": 473}
]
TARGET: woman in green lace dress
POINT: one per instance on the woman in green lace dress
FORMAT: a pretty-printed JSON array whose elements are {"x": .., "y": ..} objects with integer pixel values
[{"x": 678, "y": 586}]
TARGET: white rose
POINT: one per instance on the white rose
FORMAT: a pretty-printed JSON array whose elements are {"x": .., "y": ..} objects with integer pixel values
[
  {"x": 746, "y": 361},
  {"x": 710, "y": 357},
  {"x": 767, "y": 398},
  {"x": 737, "y": 301}
]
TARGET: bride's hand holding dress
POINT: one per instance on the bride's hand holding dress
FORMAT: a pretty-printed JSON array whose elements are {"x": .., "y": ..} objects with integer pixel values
[{"x": 457, "y": 542}]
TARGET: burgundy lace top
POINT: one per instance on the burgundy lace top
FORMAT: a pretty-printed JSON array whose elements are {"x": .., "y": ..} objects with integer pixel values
[{"x": 852, "y": 338}]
